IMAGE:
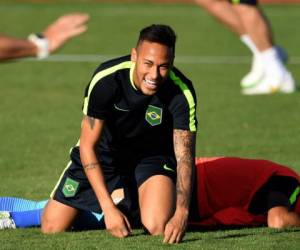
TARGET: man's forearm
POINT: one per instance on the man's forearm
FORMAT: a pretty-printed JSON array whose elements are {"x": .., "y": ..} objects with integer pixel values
[
  {"x": 93, "y": 171},
  {"x": 90, "y": 134},
  {"x": 184, "y": 144},
  {"x": 183, "y": 187},
  {"x": 184, "y": 147},
  {"x": 11, "y": 48}
]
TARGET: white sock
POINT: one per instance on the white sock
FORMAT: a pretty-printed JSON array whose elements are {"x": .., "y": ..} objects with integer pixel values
[{"x": 246, "y": 39}]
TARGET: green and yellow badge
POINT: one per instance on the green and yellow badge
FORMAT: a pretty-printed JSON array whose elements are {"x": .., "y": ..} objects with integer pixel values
[
  {"x": 70, "y": 187},
  {"x": 153, "y": 115}
]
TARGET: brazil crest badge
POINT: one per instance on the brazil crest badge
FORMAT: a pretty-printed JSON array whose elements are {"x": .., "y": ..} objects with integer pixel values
[
  {"x": 70, "y": 187},
  {"x": 153, "y": 115}
]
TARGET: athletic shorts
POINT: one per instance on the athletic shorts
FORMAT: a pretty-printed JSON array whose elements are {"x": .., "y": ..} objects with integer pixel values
[
  {"x": 73, "y": 188},
  {"x": 278, "y": 191},
  {"x": 249, "y": 2}
]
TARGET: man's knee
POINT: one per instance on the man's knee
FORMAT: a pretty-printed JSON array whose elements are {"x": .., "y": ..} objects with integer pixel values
[
  {"x": 50, "y": 226},
  {"x": 154, "y": 226},
  {"x": 248, "y": 12},
  {"x": 57, "y": 217},
  {"x": 157, "y": 203}
]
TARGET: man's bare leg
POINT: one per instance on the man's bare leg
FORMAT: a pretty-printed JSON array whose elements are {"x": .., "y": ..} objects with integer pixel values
[
  {"x": 157, "y": 203},
  {"x": 267, "y": 67},
  {"x": 225, "y": 13},
  {"x": 281, "y": 217},
  {"x": 231, "y": 17},
  {"x": 268, "y": 73},
  {"x": 57, "y": 217},
  {"x": 255, "y": 24},
  {"x": 241, "y": 19}
]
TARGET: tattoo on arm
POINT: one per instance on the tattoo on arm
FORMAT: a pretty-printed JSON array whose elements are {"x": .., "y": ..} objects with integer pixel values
[
  {"x": 91, "y": 165},
  {"x": 91, "y": 121},
  {"x": 184, "y": 146}
]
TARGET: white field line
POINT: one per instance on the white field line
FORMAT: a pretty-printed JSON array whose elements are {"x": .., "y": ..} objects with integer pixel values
[{"x": 179, "y": 59}]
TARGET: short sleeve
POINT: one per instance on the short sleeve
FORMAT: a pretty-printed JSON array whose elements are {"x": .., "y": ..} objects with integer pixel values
[
  {"x": 183, "y": 104},
  {"x": 184, "y": 113},
  {"x": 98, "y": 99}
]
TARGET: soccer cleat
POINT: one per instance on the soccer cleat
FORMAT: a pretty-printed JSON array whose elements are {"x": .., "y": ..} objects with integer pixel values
[
  {"x": 257, "y": 72},
  {"x": 288, "y": 84},
  {"x": 282, "y": 54},
  {"x": 262, "y": 88},
  {"x": 6, "y": 222},
  {"x": 271, "y": 85},
  {"x": 255, "y": 75}
]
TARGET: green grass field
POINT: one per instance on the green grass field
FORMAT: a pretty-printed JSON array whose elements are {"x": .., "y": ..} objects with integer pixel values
[{"x": 40, "y": 110}]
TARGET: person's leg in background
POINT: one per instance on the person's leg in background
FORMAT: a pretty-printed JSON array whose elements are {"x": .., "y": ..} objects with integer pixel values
[{"x": 268, "y": 73}]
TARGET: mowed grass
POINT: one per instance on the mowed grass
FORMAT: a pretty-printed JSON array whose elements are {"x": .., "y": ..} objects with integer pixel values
[{"x": 40, "y": 111}]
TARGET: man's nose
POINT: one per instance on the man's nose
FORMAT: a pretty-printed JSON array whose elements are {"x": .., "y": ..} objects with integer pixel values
[{"x": 154, "y": 73}]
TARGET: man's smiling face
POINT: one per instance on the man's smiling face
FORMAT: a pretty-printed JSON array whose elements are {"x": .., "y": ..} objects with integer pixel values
[{"x": 153, "y": 63}]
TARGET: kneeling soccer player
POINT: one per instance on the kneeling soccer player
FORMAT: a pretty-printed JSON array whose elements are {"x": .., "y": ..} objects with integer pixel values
[{"x": 138, "y": 133}]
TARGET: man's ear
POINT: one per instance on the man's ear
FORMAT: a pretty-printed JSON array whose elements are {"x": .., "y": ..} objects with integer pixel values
[{"x": 133, "y": 55}]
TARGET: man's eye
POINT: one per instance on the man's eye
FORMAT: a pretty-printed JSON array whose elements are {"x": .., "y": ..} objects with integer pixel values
[
  {"x": 164, "y": 67},
  {"x": 149, "y": 64}
]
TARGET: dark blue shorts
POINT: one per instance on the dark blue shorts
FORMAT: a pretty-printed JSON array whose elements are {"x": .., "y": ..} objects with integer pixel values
[
  {"x": 73, "y": 188},
  {"x": 278, "y": 191}
]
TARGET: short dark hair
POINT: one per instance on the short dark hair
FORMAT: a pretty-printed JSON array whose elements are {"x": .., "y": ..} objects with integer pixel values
[{"x": 158, "y": 33}]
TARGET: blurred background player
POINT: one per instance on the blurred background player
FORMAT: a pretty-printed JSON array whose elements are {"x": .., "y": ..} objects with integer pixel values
[
  {"x": 268, "y": 73},
  {"x": 44, "y": 43}
]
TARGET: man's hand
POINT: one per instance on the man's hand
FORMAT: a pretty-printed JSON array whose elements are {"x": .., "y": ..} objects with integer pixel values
[
  {"x": 175, "y": 228},
  {"x": 117, "y": 223},
  {"x": 64, "y": 28}
]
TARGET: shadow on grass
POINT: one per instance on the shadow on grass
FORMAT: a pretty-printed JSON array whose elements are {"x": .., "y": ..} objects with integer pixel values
[{"x": 236, "y": 234}]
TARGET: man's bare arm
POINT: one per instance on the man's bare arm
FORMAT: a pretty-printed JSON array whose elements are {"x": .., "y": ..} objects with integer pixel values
[
  {"x": 91, "y": 130},
  {"x": 55, "y": 36},
  {"x": 11, "y": 48},
  {"x": 184, "y": 146}
]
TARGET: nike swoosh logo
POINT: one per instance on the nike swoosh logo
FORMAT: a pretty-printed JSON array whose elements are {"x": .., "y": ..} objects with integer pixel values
[
  {"x": 167, "y": 168},
  {"x": 117, "y": 108}
]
